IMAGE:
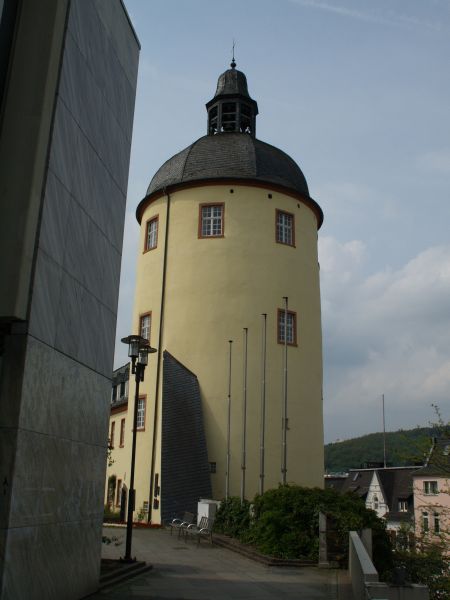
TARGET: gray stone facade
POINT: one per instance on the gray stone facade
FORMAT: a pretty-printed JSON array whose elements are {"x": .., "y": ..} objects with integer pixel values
[{"x": 56, "y": 364}]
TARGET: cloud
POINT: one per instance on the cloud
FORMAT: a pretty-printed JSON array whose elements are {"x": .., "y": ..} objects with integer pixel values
[
  {"x": 436, "y": 161},
  {"x": 387, "y": 17},
  {"x": 386, "y": 333}
]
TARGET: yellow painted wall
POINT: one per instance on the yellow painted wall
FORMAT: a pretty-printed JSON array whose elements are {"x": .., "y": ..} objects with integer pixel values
[{"x": 215, "y": 287}]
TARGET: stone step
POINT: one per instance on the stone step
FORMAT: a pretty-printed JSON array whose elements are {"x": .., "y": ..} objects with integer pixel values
[{"x": 121, "y": 571}]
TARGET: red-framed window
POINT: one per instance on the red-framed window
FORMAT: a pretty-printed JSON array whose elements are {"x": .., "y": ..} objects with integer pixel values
[
  {"x": 111, "y": 435},
  {"x": 122, "y": 433},
  {"x": 284, "y": 228},
  {"x": 145, "y": 325},
  {"x": 289, "y": 326},
  {"x": 141, "y": 410},
  {"x": 211, "y": 220},
  {"x": 151, "y": 234}
]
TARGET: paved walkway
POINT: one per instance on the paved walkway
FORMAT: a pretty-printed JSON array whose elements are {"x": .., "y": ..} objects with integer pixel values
[{"x": 185, "y": 571}]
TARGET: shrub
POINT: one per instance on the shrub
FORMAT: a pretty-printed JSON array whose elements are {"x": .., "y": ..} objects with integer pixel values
[
  {"x": 284, "y": 522},
  {"x": 429, "y": 566},
  {"x": 110, "y": 515},
  {"x": 233, "y": 518}
]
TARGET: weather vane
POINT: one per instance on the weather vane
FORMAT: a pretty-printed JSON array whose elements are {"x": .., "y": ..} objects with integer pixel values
[{"x": 233, "y": 62}]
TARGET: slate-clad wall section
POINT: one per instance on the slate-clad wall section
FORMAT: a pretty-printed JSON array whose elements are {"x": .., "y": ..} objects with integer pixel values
[
  {"x": 53, "y": 532},
  {"x": 185, "y": 475}
]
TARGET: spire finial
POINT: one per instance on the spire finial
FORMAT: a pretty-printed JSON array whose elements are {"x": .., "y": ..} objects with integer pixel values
[{"x": 233, "y": 62}]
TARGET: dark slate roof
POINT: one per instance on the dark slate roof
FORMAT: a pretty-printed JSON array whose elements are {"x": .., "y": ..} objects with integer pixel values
[
  {"x": 396, "y": 484},
  {"x": 358, "y": 482},
  {"x": 335, "y": 482},
  {"x": 231, "y": 83},
  {"x": 185, "y": 471},
  {"x": 234, "y": 156},
  {"x": 438, "y": 461},
  {"x": 121, "y": 374}
]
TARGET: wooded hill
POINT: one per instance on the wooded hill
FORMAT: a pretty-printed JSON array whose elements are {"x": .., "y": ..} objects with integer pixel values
[{"x": 403, "y": 447}]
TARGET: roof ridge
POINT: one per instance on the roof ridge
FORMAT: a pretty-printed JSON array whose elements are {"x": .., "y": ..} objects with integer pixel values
[{"x": 187, "y": 156}]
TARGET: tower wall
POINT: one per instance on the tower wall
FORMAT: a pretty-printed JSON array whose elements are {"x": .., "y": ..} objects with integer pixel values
[{"x": 214, "y": 288}]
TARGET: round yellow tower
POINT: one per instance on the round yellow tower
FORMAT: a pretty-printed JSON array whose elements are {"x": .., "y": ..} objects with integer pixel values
[{"x": 227, "y": 282}]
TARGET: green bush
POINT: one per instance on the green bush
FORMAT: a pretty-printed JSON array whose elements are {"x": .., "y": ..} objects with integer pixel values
[
  {"x": 110, "y": 515},
  {"x": 233, "y": 518},
  {"x": 284, "y": 522},
  {"x": 430, "y": 567}
]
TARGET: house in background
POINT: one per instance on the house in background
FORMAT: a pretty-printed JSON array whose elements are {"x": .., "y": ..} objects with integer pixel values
[
  {"x": 388, "y": 491},
  {"x": 120, "y": 428},
  {"x": 432, "y": 494}
]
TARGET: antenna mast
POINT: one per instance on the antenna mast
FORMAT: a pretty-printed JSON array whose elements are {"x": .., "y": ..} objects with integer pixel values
[{"x": 384, "y": 435}]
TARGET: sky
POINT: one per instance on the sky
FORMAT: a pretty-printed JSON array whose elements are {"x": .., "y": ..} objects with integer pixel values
[{"x": 358, "y": 94}]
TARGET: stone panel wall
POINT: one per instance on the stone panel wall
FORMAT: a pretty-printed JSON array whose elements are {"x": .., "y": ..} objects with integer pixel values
[{"x": 56, "y": 367}]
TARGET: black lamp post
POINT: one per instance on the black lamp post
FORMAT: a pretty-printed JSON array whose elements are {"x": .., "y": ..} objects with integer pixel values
[{"x": 138, "y": 350}]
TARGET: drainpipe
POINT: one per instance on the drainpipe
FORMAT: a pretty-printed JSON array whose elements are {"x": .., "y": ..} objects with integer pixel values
[{"x": 160, "y": 354}]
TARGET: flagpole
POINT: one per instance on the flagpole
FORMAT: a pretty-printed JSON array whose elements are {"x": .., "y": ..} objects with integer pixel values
[
  {"x": 227, "y": 474},
  {"x": 384, "y": 435},
  {"x": 263, "y": 404},
  {"x": 244, "y": 418},
  {"x": 284, "y": 415}
]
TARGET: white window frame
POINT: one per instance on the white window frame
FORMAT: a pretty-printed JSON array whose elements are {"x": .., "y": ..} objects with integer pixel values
[
  {"x": 430, "y": 488},
  {"x": 151, "y": 234},
  {"x": 211, "y": 220},
  {"x": 291, "y": 328},
  {"x": 140, "y": 420},
  {"x": 145, "y": 329},
  {"x": 285, "y": 228}
]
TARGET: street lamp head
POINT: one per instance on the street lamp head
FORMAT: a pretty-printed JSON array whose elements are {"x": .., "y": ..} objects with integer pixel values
[
  {"x": 134, "y": 343},
  {"x": 144, "y": 351}
]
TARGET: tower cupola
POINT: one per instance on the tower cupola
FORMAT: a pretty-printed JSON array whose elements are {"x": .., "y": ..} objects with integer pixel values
[{"x": 232, "y": 109}]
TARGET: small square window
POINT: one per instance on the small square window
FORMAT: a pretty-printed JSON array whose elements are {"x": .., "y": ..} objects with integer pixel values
[
  {"x": 212, "y": 467},
  {"x": 140, "y": 421},
  {"x": 151, "y": 234},
  {"x": 211, "y": 220},
  {"x": 287, "y": 328},
  {"x": 285, "y": 230},
  {"x": 403, "y": 506},
  {"x": 430, "y": 487},
  {"x": 145, "y": 324}
]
